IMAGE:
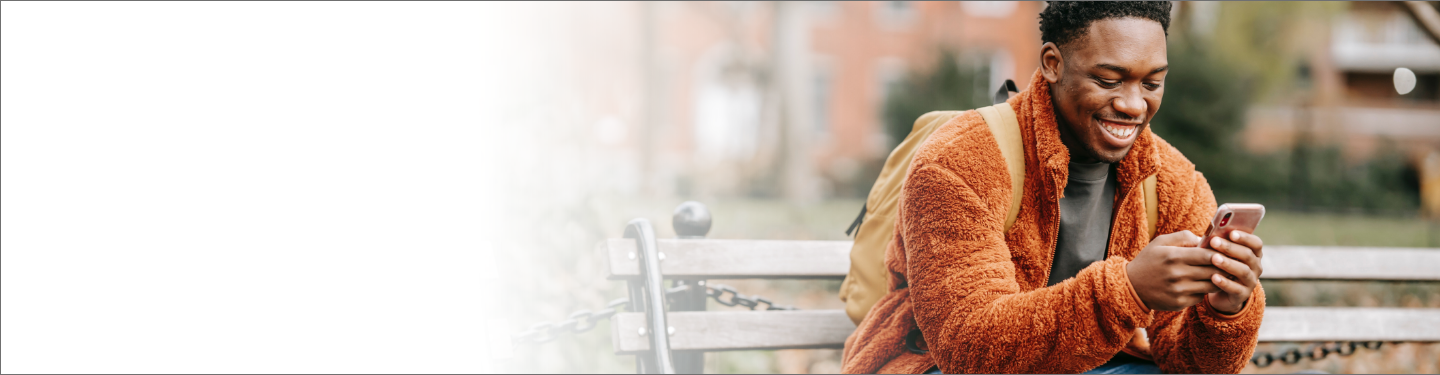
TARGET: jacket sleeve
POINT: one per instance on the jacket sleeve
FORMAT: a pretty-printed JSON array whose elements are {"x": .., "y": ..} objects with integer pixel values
[
  {"x": 965, "y": 297},
  {"x": 1200, "y": 339}
]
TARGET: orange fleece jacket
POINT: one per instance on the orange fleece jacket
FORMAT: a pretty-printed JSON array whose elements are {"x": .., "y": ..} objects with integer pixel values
[{"x": 978, "y": 294}]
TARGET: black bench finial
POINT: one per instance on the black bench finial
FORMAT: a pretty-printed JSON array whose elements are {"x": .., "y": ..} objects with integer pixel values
[{"x": 691, "y": 220}]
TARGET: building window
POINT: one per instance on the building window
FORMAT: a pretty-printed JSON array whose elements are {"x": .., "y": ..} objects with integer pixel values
[
  {"x": 896, "y": 14},
  {"x": 1376, "y": 41},
  {"x": 727, "y": 106}
]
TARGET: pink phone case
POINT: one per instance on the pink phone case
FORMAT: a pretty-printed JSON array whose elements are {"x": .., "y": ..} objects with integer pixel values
[{"x": 1233, "y": 216}]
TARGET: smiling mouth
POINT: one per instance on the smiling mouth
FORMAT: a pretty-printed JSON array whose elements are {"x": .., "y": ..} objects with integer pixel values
[{"x": 1119, "y": 130}]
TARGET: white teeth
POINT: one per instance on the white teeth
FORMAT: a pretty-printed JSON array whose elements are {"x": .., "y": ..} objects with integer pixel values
[{"x": 1118, "y": 132}]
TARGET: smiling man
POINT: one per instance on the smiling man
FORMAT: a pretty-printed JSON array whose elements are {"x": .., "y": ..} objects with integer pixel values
[{"x": 1078, "y": 283}]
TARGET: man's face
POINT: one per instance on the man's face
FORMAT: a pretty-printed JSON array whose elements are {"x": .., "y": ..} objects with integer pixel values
[{"x": 1107, "y": 85}]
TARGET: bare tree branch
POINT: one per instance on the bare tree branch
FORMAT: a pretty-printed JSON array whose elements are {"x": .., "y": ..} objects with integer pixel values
[{"x": 1425, "y": 15}]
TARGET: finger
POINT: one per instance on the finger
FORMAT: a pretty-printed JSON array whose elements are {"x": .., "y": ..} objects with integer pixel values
[
  {"x": 1230, "y": 286},
  {"x": 1189, "y": 300},
  {"x": 1196, "y": 287},
  {"x": 1241, "y": 272},
  {"x": 1194, "y": 273},
  {"x": 1252, "y": 243},
  {"x": 1193, "y": 256},
  {"x": 1235, "y": 251},
  {"x": 1248, "y": 240},
  {"x": 1181, "y": 239}
]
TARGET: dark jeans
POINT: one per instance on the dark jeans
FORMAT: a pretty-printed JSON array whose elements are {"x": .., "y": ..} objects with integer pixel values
[{"x": 1121, "y": 364}]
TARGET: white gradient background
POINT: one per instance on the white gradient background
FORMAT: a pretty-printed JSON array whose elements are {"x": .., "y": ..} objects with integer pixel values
[{"x": 257, "y": 187}]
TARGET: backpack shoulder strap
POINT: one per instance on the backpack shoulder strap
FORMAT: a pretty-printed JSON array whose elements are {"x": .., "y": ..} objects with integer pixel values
[
  {"x": 1152, "y": 205},
  {"x": 1006, "y": 129}
]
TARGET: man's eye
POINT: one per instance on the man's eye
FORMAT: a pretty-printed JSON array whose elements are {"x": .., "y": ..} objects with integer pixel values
[
  {"x": 1109, "y": 84},
  {"x": 1152, "y": 86}
]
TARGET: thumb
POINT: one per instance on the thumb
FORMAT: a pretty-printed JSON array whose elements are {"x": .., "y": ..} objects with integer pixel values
[{"x": 1182, "y": 238}]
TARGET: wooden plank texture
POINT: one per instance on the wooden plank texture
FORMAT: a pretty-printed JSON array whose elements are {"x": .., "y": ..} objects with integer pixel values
[
  {"x": 735, "y": 259},
  {"x": 738, "y": 330},
  {"x": 766, "y": 259},
  {"x": 1350, "y": 324},
  {"x": 1350, "y": 263},
  {"x": 771, "y": 330}
]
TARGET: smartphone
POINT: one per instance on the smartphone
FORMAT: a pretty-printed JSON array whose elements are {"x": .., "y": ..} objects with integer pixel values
[{"x": 1231, "y": 217}]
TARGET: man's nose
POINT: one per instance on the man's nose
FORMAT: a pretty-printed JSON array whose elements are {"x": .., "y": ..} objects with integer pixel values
[{"x": 1131, "y": 104}]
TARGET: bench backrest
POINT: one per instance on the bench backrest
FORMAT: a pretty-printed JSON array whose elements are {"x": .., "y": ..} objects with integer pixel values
[{"x": 699, "y": 259}]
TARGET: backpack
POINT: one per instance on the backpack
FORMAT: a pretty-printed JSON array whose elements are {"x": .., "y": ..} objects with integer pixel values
[{"x": 866, "y": 282}]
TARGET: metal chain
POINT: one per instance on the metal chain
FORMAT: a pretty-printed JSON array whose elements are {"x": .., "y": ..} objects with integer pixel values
[
  {"x": 719, "y": 290},
  {"x": 1316, "y": 351},
  {"x": 578, "y": 322},
  {"x": 585, "y": 320}
]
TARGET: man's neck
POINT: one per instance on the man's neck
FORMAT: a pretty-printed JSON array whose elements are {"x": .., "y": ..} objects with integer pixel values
[{"x": 1078, "y": 153}]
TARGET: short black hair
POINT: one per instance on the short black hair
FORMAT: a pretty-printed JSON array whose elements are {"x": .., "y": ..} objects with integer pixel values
[{"x": 1064, "y": 21}]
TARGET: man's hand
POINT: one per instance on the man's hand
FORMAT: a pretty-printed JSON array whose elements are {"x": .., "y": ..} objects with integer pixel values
[
  {"x": 1172, "y": 273},
  {"x": 1241, "y": 260}
]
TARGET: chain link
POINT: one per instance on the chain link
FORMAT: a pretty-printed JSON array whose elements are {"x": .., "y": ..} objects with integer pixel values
[
  {"x": 577, "y": 322},
  {"x": 736, "y": 299},
  {"x": 1315, "y": 352},
  {"x": 585, "y": 320}
]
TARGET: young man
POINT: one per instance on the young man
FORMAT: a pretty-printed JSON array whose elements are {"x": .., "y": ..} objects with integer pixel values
[{"x": 1077, "y": 284}]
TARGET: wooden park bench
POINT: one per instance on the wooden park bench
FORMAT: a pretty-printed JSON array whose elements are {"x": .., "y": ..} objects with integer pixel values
[{"x": 686, "y": 331}]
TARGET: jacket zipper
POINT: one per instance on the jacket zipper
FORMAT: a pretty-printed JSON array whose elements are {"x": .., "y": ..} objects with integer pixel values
[
  {"x": 1115, "y": 211},
  {"x": 1055, "y": 229}
]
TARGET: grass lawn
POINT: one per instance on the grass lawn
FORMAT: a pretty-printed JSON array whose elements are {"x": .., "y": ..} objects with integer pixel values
[{"x": 1328, "y": 229}]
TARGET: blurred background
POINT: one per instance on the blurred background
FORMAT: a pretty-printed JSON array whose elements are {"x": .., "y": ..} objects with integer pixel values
[
  {"x": 328, "y": 187},
  {"x": 779, "y": 115}
]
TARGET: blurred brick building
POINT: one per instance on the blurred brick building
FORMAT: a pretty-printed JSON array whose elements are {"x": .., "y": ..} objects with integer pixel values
[{"x": 764, "y": 98}]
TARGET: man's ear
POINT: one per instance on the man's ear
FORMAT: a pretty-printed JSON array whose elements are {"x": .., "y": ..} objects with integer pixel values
[{"x": 1052, "y": 63}]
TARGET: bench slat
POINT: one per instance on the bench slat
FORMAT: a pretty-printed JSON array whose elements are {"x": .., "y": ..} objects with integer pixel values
[
  {"x": 735, "y": 259},
  {"x": 1350, "y": 324},
  {"x": 771, "y": 330},
  {"x": 768, "y": 259},
  {"x": 1350, "y": 263}
]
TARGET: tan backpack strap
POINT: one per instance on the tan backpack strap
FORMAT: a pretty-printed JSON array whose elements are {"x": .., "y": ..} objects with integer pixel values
[
  {"x": 1152, "y": 205},
  {"x": 1006, "y": 129}
]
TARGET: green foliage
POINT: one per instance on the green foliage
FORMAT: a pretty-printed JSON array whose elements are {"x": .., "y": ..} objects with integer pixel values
[
  {"x": 953, "y": 83},
  {"x": 1204, "y": 107},
  {"x": 1322, "y": 179}
]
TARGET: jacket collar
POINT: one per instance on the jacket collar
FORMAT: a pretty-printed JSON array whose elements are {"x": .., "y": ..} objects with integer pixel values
[{"x": 1036, "y": 114}]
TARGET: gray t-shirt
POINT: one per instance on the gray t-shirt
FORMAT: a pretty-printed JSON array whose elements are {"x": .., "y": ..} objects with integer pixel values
[{"x": 1085, "y": 215}]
